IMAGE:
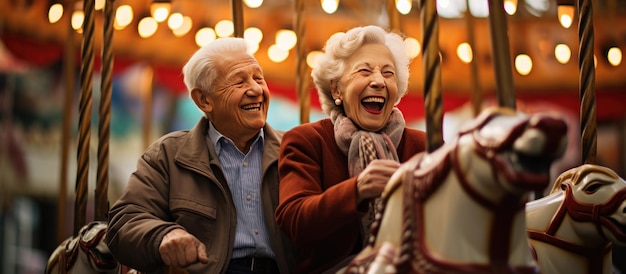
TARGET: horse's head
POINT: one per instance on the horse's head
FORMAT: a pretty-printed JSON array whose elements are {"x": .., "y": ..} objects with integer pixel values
[
  {"x": 85, "y": 253},
  {"x": 595, "y": 197},
  {"x": 91, "y": 242},
  {"x": 514, "y": 150}
]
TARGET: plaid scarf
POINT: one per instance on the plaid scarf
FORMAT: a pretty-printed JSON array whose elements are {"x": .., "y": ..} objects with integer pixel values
[{"x": 362, "y": 147}]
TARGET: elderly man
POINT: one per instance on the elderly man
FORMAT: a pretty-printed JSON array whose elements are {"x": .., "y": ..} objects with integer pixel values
[{"x": 204, "y": 199}]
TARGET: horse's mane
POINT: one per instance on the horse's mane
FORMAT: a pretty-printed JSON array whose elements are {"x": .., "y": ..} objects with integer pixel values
[
  {"x": 575, "y": 175},
  {"x": 428, "y": 178},
  {"x": 440, "y": 160},
  {"x": 483, "y": 118}
]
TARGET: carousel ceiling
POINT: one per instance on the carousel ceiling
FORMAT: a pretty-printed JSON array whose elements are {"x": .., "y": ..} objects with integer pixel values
[{"x": 533, "y": 30}]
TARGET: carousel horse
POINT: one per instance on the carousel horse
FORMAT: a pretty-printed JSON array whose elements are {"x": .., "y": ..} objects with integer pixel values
[
  {"x": 85, "y": 253},
  {"x": 572, "y": 230},
  {"x": 460, "y": 208}
]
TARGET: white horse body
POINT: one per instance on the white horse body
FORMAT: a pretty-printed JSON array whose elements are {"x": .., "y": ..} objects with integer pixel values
[
  {"x": 460, "y": 209},
  {"x": 572, "y": 229}
]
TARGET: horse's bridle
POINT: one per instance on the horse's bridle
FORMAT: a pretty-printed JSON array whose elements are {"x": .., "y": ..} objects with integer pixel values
[
  {"x": 595, "y": 213},
  {"x": 504, "y": 211},
  {"x": 88, "y": 245}
]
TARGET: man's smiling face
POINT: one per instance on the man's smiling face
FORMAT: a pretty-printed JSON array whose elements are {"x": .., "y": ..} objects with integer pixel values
[{"x": 240, "y": 98}]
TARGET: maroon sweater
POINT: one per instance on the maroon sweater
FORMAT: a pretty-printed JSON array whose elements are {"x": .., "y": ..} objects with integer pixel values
[{"x": 317, "y": 198}]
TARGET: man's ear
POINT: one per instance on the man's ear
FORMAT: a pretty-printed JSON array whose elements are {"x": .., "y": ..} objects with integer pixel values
[{"x": 202, "y": 100}]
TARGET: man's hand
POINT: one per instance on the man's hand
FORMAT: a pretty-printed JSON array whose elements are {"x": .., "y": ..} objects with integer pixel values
[{"x": 181, "y": 249}]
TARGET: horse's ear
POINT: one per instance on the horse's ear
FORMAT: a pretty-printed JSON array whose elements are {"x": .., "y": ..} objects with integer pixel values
[
  {"x": 559, "y": 186},
  {"x": 559, "y": 183}
]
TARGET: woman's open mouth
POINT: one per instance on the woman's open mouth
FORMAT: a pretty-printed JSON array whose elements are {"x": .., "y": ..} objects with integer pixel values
[{"x": 373, "y": 104}]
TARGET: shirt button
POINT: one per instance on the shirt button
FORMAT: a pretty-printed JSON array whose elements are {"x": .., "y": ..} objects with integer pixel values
[
  {"x": 248, "y": 197},
  {"x": 245, "y": 164},
  {"x": 256, "y": 231}
]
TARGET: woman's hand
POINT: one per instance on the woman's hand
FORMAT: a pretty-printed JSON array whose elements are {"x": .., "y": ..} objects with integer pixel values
[
  {"x": 372, "y": 180},
  {"x": 181, "y": 249}
]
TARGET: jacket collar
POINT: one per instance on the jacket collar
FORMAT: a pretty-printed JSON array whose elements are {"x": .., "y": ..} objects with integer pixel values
[{"x": 198, "y": 152}]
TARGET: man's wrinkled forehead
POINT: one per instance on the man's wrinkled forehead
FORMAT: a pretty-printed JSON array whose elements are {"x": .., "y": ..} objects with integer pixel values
[{"x": 232, "y": 63}]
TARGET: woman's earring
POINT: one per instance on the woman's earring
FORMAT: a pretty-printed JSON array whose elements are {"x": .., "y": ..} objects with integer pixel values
[{"x": 338, "y": 101}]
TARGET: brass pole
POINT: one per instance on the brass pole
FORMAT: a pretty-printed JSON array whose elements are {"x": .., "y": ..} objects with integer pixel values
[
  {"x": 432, "y": 79},
  {"x": 102, "y": 177},
  {"x": 394, "y": 16},
  {"x": 147, "y": 77},
  {"x": 621, "y": 143},
  {"x": 237, "y": 9},
  {"x": 302, "y": 78},
  {"x": 501, "y": 54},
  {"x": 84, "y": 122},
  {"x": 587, "y": 81},
  {"x": 68, "y": 68},
  {"x": 477, "y": 92}
]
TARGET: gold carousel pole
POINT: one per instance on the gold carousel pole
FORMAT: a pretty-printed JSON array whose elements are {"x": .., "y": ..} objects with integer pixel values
[
  {"x": 432, "y": 70},
  {"x": 237, "y": 9},
  {"x": 146, "y": 85},
  {"x": 68, "y": 67},
  {"x": 477, "y": 92},
  {"x": 102, "y": 177},
  {"x": 84, "y": 121},
  {"x": 501, "y": 54},
  {"x": 587, "y": 82},
  {"x": 394, "y": 16},
  {"x": 302, "y": 79}
]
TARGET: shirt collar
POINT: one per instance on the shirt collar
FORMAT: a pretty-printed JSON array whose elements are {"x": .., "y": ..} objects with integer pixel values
[{"x": 216, "y": 137}]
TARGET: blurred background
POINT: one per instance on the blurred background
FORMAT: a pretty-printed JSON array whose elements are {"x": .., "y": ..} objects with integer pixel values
[{"x": 41, "y": 72}]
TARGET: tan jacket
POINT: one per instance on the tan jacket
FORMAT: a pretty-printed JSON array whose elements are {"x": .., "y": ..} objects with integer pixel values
[{"x": 179, "y": 184}]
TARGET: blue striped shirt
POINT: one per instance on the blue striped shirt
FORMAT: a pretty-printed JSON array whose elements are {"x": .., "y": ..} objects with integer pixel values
[{"x": 243, "y": 175}]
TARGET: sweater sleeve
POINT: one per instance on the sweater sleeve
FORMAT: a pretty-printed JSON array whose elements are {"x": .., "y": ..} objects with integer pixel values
[{"x": 316, "y": 198}]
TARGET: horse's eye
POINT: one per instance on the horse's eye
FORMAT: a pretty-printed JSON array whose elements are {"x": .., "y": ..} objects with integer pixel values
[
  {"x": 563, "y": 187},
  {"x": 592, "y": 188}
]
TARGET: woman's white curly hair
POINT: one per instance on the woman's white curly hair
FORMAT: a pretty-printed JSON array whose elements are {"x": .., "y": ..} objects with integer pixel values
[{"x": 339, "y": 47}]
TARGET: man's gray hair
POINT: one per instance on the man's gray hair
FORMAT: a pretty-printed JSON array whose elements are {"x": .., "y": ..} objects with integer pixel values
[{"x": 202, "y": 68}]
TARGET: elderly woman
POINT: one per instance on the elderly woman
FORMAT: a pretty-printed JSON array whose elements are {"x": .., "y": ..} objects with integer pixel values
[{"x": 331, "y": 170}]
